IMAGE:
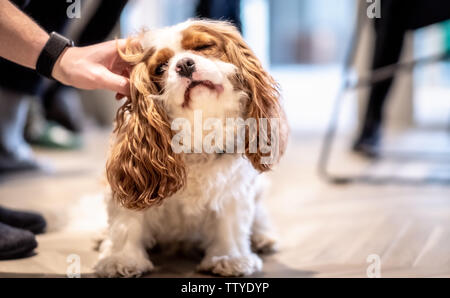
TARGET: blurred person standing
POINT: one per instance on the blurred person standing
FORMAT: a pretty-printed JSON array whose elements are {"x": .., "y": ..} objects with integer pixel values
[{"x": 397, "y": 18}]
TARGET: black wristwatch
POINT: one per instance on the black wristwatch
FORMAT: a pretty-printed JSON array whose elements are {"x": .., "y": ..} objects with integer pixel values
[{"x": 50, "y": 53}]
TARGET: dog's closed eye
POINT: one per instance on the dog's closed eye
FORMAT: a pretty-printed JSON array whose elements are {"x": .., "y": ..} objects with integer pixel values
[
  {"x": 203, "y": 47},
  {"x": 161, "y": 69}
]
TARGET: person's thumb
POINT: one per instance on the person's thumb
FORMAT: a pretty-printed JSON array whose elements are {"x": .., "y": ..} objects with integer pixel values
[{"x": 115, "y": 82}]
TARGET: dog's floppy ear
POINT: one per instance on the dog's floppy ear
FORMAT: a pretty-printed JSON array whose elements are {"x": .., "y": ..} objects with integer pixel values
[
  {"x": 142, "y": 169},
  {"x": 263, "y": 99}
]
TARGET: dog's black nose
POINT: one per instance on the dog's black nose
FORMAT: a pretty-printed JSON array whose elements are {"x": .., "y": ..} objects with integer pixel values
[{"x": 185, "y": 67}]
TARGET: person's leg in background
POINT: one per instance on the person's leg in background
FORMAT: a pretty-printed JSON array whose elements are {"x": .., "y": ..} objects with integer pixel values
[
  {"x": 17, "y": 85},
  {"x": 389, "y": 36},
  {"x": 15, "y": 153},
  {"x": 396, "y": 18},
  {"x": 62, "y": 103},
  {"x": 228, "y": 10}
]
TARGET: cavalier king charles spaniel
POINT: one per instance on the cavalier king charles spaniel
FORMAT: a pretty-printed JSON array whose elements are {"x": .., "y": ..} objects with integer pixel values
[{"x": 161, "y": 194}]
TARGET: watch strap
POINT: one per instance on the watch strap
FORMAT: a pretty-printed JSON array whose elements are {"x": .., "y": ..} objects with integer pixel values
[{"x": 50, "y": 53}]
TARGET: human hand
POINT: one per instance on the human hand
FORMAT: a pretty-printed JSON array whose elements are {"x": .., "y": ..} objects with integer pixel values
[{"x": 94, "y": 67}]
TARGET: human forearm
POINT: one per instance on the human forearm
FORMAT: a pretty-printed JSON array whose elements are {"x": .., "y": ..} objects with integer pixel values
[
  {"x": 94, "y": 67},
  {"x": 21, "y": 38}
]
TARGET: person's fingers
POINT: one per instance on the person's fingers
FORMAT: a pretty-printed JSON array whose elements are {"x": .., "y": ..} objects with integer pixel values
[
  {"x": 115, "y": 82},
  {"x": 121, "y": 43},
  {"x": 119, "y": 96},
  {"x": 126, "y": 73}
]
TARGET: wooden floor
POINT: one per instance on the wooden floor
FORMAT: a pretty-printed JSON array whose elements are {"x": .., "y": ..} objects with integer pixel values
[{"x": 324, "y": 230}]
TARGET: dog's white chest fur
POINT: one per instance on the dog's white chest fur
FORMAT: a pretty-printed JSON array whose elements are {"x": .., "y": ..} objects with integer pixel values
[{"x": 215, "y": 183}]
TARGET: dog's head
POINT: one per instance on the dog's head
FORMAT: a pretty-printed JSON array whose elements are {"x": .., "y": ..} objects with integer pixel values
[{"x": 197, "y": 65}]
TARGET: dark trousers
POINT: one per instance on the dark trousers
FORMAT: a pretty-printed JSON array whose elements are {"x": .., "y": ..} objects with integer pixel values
[
  {"x": 397, "y": 17},
  {"x": 227, "y": 10}
]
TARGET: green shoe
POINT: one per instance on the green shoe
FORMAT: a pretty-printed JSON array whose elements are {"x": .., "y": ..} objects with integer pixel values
[{"x": 56, "y": 136}]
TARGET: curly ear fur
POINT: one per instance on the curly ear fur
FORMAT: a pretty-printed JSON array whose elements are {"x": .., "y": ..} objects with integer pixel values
[
  {"x": 142, "y": 169},
  {"x": 262, "y": 90}
]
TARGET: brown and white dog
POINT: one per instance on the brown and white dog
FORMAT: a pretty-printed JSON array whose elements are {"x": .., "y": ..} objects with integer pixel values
[{"x": 159, "y": 194}]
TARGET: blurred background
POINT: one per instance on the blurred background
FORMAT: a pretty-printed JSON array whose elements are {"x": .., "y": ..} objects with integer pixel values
[{"x": 399, "y": 210}]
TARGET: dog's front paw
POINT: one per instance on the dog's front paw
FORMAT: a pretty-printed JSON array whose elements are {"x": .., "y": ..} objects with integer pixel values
[
  {"x": 119, "y": 265},
  {"x": 232, "y": 266},
  {"x": 264, "y": 243}
]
